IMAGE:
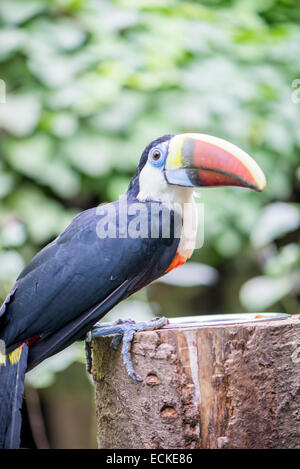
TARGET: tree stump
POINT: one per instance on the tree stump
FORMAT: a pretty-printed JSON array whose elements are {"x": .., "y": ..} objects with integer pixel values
[{"x": 221, "y": 386}]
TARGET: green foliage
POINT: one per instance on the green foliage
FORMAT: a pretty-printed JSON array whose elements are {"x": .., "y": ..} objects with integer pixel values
[{"x": 90, "y": 83}]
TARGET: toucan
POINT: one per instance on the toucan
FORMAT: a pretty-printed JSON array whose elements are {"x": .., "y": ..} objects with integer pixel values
[{"x": 106, "y": 254}]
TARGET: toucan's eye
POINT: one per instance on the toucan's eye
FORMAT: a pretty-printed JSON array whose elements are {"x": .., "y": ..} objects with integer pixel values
[{"x": 156, "y": 154}]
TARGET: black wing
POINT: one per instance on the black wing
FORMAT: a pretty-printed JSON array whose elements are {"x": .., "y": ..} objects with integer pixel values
[{"x": 76, "y": 279}]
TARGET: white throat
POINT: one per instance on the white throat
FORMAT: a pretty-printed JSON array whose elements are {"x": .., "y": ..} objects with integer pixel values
[{"x": 154, "y": 187}]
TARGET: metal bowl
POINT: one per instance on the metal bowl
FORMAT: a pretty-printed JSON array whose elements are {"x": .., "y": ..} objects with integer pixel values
[{"x": 220, "y": 319}]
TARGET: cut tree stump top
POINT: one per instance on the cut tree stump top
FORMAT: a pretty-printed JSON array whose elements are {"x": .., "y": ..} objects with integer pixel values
[{"x": 221, "y": 386}]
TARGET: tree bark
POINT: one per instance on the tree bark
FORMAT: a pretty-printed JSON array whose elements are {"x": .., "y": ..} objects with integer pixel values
[{"x": 229, "y": 386}]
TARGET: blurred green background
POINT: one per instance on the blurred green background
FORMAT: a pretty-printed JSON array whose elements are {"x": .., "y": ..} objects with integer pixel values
[{"x": 88, "y": 85}]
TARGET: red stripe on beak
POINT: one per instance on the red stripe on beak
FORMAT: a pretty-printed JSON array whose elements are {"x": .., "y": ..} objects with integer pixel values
[{"x": 218, "y": 167}]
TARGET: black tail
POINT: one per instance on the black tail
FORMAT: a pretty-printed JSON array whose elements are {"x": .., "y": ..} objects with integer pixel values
[{"x": 12, "y": 374}]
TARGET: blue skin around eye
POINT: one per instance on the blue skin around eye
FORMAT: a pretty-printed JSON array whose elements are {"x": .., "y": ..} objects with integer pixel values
[{"x": 163, "y": 149}]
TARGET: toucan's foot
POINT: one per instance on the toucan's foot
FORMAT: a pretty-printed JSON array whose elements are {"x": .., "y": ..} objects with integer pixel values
[{"x": 122, "y": 329}]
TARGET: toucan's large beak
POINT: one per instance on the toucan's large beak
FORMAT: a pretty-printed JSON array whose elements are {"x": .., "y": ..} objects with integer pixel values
[{"x": 196, "y": 160}]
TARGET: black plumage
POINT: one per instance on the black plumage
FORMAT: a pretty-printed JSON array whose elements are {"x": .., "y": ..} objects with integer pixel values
[
  {"x": 11, "y": 397},
  {"x": 70, "y": 284},
  {"x": 81, "y": 275},
  {"x": 77, "y": 278}
]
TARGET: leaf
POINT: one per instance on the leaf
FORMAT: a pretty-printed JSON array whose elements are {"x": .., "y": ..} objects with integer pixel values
[
  {"x": 17, "y": 11},
  {"x": 34, "y": 158},
  {"x": 6, "y": 183},
  {"x": 20, "y": 114},
  {"x": 11, "y": 263},
  {"x": 12, "y": 234},
  {"x": 276, "y": 220},
  {"x": 44, "y": 375},
  {"x": 11, "y": 39},
  {"x": 61, "y": 34},
  {"x": 287, "y": 259},
  {"x": 90, "y": 154},
  {"x": 44, "y": 218},
  {"x": 191, "y": 274},
  {"x": 260, "y": 293}
]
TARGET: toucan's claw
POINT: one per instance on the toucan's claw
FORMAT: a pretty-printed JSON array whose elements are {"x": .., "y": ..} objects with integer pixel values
[
  {"x": 122, "y": 329},
  {"x": 117, "y": 339}
]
